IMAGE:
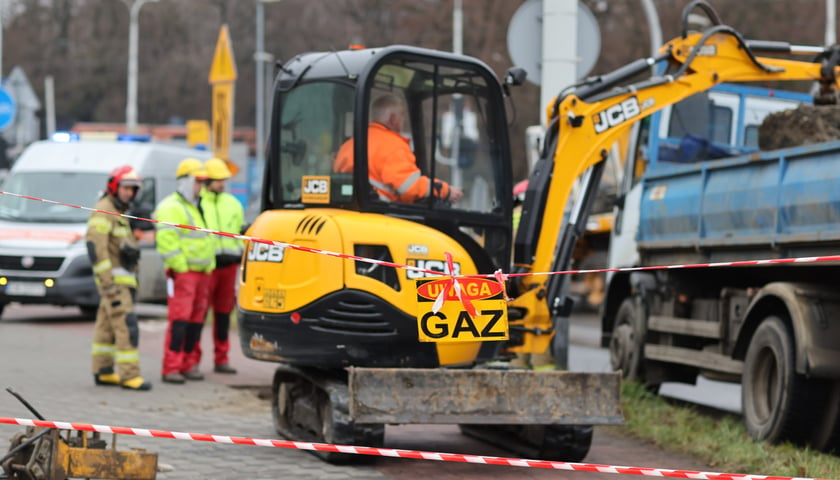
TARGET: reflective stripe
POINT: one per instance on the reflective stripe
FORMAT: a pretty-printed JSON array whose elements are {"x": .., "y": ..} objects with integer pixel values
[
  {"x": 128, "y": 281},
  {"x": 409, "y": 182},
  {"x": 127, "y": 356},
  {"x": 102, "y": 266},
  {"x": 122, "y": 271},
  {"x": 103, "y": 349},
  {"x": 124, "y": 277},
  {"x": 121, "y": 231},
  {"x": 382, "y": 186},
  {"x": 171, "y": 254},
  {"x": 196, "y": 261},
  {"x": 100, "y": 223},
  {"x": 229, "y": 251}
]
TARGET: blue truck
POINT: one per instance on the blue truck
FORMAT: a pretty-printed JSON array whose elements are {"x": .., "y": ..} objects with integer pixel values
[{"x": 707, "y": 194}]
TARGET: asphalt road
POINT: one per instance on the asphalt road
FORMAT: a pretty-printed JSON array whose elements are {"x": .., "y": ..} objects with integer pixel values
[{"x": 45, "y": 357}]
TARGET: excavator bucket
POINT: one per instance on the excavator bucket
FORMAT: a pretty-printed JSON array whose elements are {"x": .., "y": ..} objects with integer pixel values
[{"x": 483, "y": 396}]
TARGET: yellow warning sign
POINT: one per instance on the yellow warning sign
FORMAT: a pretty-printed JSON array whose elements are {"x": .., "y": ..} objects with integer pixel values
[
  {"x": 222, "y": 119},
  {"x": 223, "y": 68},
  {"x": 453, "y": 323}
]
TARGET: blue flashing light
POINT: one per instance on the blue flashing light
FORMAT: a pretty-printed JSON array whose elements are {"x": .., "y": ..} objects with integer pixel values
[
  {"x": 134, "y": 137},
  {"x": 64, "y": 137}
]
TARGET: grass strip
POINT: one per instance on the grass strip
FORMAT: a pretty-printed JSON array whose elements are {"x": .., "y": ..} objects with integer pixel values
[{"x": 722, "y": 442}]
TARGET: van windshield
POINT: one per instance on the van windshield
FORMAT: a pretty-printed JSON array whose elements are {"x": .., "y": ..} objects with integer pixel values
[{"x": 75, "y": 188}]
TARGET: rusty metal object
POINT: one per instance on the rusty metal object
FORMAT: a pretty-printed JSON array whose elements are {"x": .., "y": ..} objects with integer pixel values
[
  {"x": 44, "y": 454},
  {"x": 483, "y": 396}
]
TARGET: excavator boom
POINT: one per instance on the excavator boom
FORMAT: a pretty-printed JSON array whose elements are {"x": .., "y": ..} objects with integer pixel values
[{"x": 587, "y": 121}]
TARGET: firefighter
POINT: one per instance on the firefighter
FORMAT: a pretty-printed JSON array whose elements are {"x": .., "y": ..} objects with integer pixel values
[
  {"x": 222, "y": 212},
  {"x": 189, "y": 259},
  {"x": 114, "y": 255}
]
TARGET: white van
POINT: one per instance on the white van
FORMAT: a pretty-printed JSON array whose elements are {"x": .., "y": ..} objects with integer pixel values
[{"x": 43, "y": 256}]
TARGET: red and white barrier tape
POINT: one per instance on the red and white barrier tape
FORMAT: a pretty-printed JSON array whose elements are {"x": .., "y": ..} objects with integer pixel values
[
  {"x": 397, "y": 453},
  {"x": 498, "y": 275}
]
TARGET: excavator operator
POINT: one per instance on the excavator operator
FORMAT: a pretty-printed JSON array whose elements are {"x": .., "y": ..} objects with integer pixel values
[{"x": 392, "y": 166}]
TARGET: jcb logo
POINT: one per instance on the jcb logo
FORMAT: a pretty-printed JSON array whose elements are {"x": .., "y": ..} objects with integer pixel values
[
  {"x": 261, "y": 252},
  {"x": 316, "y": 186},
  {"x": 617, "y": 114},
  {"x": 433, "y": 265},
  {"x": 316, "y": 189}
]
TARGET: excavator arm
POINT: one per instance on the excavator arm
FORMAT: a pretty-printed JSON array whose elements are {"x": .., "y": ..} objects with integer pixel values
[{"x": 584, "y": 123}]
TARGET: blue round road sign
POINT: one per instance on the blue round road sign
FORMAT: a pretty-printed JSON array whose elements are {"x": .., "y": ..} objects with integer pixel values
[{"x": 7, "y": 109}]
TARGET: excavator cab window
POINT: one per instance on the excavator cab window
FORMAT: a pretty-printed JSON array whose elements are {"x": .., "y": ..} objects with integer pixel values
[
  {"x": 316, "y": 118},
  {"x": 451, "y": 128},
  {"x": 456, "y": 127}
]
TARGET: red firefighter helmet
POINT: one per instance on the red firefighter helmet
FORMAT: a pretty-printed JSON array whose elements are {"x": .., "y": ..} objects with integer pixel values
[{"x": 124, "y": 175}]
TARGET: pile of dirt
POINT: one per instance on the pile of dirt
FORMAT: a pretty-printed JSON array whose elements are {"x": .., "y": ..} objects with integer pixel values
[{"x": 803, "y": 125}]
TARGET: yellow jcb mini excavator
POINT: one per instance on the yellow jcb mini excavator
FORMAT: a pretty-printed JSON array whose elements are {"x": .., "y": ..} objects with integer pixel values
[{"x": 357, "y": 343}]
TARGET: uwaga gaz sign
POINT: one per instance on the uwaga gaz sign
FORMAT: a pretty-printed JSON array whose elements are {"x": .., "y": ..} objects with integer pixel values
[{"x": 453, "y": 322}]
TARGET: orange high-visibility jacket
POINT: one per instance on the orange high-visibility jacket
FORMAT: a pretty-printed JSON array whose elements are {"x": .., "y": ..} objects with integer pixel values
[{"x": 392, "y": 167}]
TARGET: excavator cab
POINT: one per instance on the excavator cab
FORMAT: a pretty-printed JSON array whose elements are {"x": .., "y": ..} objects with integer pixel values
[{"x": 331, "y": 312}]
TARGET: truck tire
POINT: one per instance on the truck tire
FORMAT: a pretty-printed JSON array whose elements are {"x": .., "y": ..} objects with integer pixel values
[
  {"x": 2, "y": 306},
  {"x": 626, "y": 344},
  {"x": 824, "y": 431},
  {"x": 773, "y": 396}
]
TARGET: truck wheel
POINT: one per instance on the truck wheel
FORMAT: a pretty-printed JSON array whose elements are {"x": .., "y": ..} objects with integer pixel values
[
  {"x": 824, "y": 431},
  {"x": 626, "y": 343},
  {"x": 771, "y": 399},
  {"x": 2, "y": 306},
  {"x": 89, "y": 310}
]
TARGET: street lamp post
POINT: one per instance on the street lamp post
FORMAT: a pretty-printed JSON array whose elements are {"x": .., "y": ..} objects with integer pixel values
[
  {"x": 131, "y": 95},
  {"x": 261, "y": 57}
]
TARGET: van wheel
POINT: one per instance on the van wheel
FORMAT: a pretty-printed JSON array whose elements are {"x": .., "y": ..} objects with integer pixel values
[
  {"x": 87, "y": 310},
  {"x": 2, "y": 306}
]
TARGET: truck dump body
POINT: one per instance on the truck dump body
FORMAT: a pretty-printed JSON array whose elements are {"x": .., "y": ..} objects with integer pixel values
[{"x": 773, "y": 201}]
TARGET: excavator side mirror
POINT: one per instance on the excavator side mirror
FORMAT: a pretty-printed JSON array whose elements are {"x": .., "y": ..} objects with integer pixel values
[{"x": 515, "y": 76}]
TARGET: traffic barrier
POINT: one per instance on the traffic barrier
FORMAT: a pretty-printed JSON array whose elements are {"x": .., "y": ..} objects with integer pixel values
[{"x": 396, "y": 453}]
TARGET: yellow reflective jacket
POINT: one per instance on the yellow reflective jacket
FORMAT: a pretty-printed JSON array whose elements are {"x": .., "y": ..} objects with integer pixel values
[
  {"x": 105, "y": 235},
  {"x": 224, "y": 213},
  {"x": 183, "y": 249}
]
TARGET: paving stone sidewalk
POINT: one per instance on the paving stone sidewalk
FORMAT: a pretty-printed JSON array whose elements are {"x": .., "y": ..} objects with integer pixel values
[{"x": 47, "y": 361}]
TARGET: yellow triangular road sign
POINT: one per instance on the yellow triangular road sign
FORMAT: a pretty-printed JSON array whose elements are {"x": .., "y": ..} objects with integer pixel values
[{"x": 223, "y": 68}]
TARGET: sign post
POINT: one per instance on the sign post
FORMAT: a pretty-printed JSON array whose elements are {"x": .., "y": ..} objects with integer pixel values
[{"x": 222, "y": 77}]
